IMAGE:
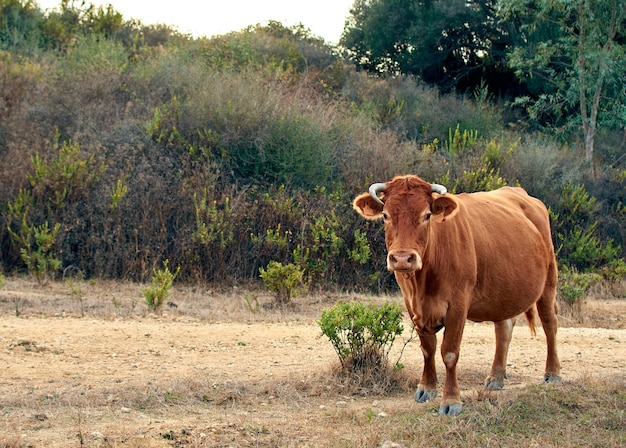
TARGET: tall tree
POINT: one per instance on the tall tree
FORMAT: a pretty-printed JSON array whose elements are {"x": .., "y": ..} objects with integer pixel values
[
  {"x": 449, "y": 43},
  {"x": 577, "y": 49},
  {"x": 20, "y": 21}
]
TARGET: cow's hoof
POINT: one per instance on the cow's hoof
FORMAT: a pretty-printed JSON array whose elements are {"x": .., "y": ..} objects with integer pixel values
[
  {"x": 551, "y": 378},
  {"x": 424, "y": 395},
  {"x": 493, "y": 383},
  {"x": 451, "y": 409}
]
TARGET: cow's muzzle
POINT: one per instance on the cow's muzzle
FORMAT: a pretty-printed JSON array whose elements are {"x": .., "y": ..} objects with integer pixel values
[{"x": 404, "y": 261}]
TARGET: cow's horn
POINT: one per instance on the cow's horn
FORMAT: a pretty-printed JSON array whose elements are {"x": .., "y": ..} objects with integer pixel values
[
  {"x": 375, "y": 189},
  {"x": 439, "y": 188}
]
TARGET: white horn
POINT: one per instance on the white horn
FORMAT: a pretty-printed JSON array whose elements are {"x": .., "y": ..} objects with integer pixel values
[
  {"x": 375, "y": 189},
  {"x": 439, "y": 189}
]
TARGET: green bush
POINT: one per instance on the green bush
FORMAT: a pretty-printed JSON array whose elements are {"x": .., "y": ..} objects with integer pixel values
[
  {"x": 577, "y": 241},
  {"x": 362, "y": 335},
  {"x": 574, "y": 285},
  {"x": 283, "y": 280},
  {"x": 162, "y": 281},
  {"x": 36, "y": 242}
]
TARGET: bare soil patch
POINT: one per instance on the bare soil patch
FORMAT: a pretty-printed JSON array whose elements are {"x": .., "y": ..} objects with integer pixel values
[{"x": 231, "y": 375}]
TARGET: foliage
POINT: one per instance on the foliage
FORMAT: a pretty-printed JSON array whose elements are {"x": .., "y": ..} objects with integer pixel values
[
  {"x": 67, "y": 176},
  {"x": 362, "y": 335},
  {"x": 459, "y": 141},
  {"x": 615, "y": 270},
  {"x": 37, "y": 250},
  {"x": 450, "y": 44},
  {"x": 576, "y": 51},
  {"x": 214, "y": 224},
  {"x": 159, "y": 290},
  {"x": 577, "y": 241},
  {"x": 223, "y": 154},
  {"x": 574, "y": 285},
  {"x": 35, "y": 242},
  {"x": 283, "y": 280},
  {"x": 321, "y": 243},
  {"x": 361, "y": 252},
  {"x": 117, "y": 194}
]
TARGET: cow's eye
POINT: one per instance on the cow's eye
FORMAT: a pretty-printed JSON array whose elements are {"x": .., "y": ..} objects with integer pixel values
[
  {"x": 385, "y": 216},
  {"x": 427, "y": 216}
]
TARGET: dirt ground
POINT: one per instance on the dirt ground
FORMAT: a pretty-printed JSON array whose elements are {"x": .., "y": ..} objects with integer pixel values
[{"x": 139, "y": 380}]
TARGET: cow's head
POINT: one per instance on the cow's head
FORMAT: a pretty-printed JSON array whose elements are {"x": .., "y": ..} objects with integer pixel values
[{"x": 408, "y": 205}]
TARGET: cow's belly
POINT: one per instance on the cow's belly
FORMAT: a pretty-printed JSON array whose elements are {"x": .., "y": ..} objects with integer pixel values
[
  {"x": 510, "y": 277},
  {"x": 506, "y": 297}
]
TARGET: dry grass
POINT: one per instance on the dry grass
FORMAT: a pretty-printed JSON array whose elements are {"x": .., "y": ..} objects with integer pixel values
[
  {"x": 314, "y": 407},
  {"x": 106, "y": 299},
  {"x": 315, "y": 413}
]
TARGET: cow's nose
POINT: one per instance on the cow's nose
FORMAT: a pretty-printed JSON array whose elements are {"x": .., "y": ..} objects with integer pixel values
[{"x": 404, "y": 261}]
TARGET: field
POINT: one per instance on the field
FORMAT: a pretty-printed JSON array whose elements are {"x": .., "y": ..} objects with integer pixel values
[{"x": 94, "y": 368}]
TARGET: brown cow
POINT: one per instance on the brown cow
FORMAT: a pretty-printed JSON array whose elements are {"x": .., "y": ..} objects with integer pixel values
[{"x": 484, "y": 256}]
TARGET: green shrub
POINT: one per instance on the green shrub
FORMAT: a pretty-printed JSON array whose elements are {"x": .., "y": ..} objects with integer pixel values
[
  {"x": 615, "y": 270},
  {"x": 162, "y": 281},
  {"x": 362, "y": 335},
  {"x": 283, "y": 280},
  {"x": 578, "y": 243},
  {"x": 460, "y": 141},
  {"x": 361, "y": 252},
  {"x": 574, "y": 285},
  {"x": 36, "y": 242},
  {"x": 321, "y": 243},
  {"x": 213, "y": 221}
]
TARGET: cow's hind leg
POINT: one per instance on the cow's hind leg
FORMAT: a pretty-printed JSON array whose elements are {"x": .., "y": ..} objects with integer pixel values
[
  {"x": 427, "y": 388},
  {"x": 547, "y": 309},
  {"x": 504, "y": 331}
]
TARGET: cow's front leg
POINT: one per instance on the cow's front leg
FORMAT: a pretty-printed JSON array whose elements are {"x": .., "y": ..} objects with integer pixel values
[
  {"x": 451, "y": 403},
  {"x": 504, "y": 331},
  {"x": 427, "y": 388}
]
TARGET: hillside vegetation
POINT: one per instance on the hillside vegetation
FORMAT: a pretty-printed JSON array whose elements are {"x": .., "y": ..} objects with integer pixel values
[{"x": 124, "y": 145}]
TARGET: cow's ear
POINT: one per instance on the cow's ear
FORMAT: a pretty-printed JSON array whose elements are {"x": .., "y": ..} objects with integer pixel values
[
  {"x": 366, "y": 206},
  {"x": 444, "y": 207}
]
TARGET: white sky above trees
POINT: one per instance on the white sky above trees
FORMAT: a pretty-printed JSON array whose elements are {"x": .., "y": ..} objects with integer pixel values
[{"x": 325, "y": 18}]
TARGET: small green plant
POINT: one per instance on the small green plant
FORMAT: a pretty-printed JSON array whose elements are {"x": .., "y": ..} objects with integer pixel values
[
  {"x": 578, "y": 242},
  {"x": 36, "y": 242},
  {"x": 361, "y": 252},
  {"x": 66, "y": 177},
  {"x": 459, "y": 141},
  {"x": 159, "y": 291},
  {"x": 252, "y": 303},
  {"x": 574, "y": 285},
  {"x": 273, "y": 238},
  {"x": 37, "y": 248},
  {"x": 362, "y": 335},
  {"x": 481, "y": 179},
  {"x": 615, "y": 274},
  {"x": 117, "y": 194},
  {"x": 321, "y": 242},
  {"x": 283, "y": 280},
  {"x": 213, "y": 221},
  {"x": 38, "y": 254}
]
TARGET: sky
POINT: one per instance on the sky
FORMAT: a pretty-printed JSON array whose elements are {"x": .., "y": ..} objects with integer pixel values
[{"x": 325, "y": 18}]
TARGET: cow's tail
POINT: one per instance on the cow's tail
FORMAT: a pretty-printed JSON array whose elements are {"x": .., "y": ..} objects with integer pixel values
[{"x": 531, "y": 319}]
